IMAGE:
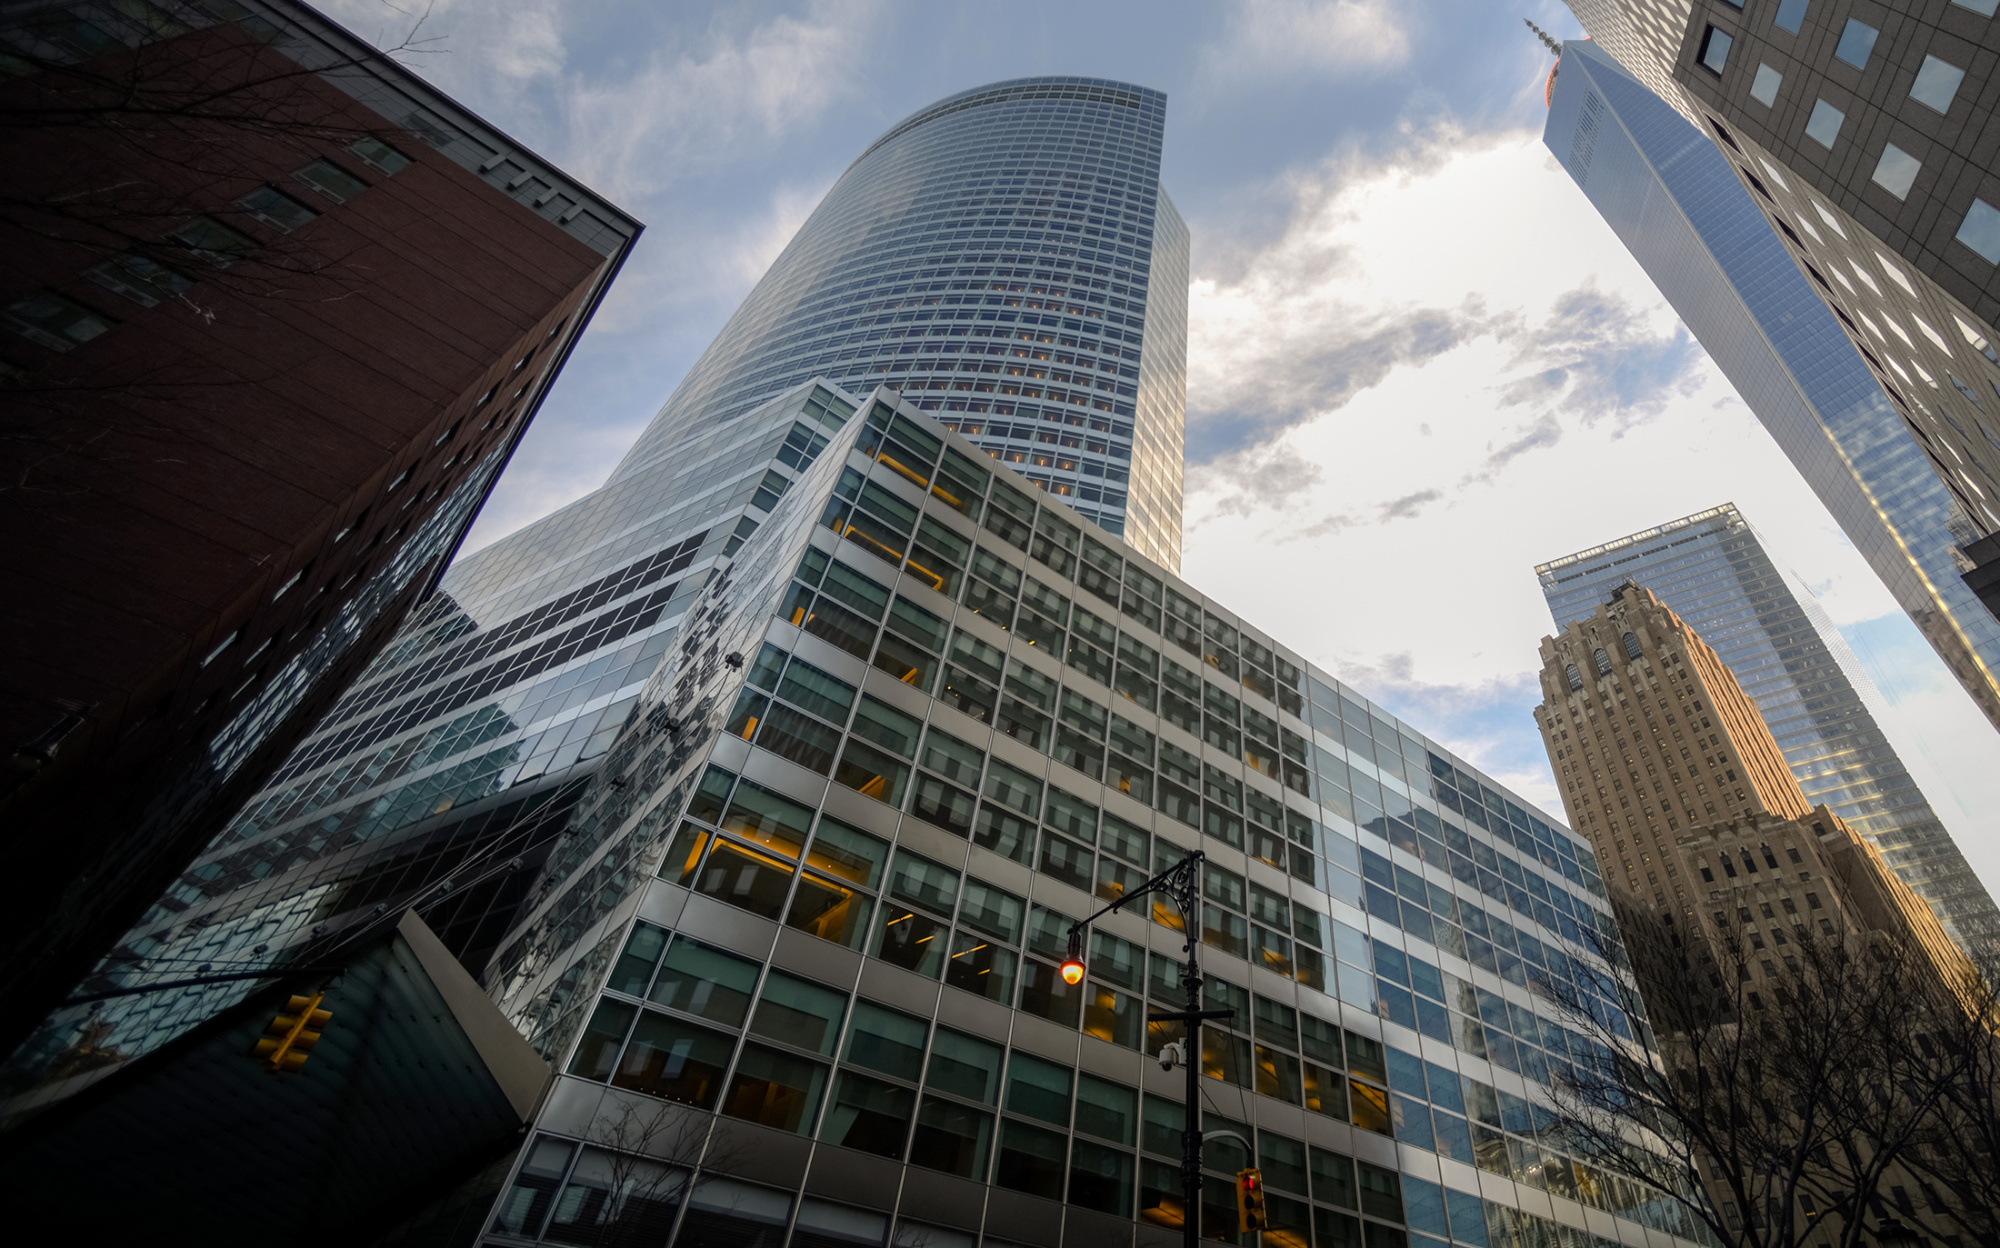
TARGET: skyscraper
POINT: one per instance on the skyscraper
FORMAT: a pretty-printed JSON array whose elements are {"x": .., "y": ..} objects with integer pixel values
[
  {"x": 761, "y": 786},
  {"x": 1712, "y": 570},
  {"x": 1008, "y": 259},
  {"x": 505, "y": 687},
  {"x": 1676, "y": 204},
  {"x": 273, "y": 315},
  {"x": 1862, "y": 129},
  {"x": 1710, "y": 852}
]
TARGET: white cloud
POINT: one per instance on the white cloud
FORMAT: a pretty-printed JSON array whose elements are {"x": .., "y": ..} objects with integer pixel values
[
  {"x": 1266, "y": 37},
  {"x": 629, "y": 125},
  {"x": 1525, "y": 393}
]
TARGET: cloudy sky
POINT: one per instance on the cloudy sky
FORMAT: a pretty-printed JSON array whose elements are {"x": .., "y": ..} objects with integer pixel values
[{"x": 1418, "y": 362}]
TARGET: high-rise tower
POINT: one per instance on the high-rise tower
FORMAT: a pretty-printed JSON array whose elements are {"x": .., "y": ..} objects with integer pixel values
[
  {"x": 1729, "y": 885},
  {"x": 1862, "y": 131},
  {"x": 763, "y": 783},
  {"x": 1910, "y": 493},
  {"x": 1712, "y": 570},
  {"x": 274, "y": 313},
  {"x": 1008, "y": 259}
]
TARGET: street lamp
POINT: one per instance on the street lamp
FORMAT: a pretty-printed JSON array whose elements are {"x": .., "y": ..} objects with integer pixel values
[
  {"x": 1072, "y": 967},
  {"x": 1180, "y": 884}
]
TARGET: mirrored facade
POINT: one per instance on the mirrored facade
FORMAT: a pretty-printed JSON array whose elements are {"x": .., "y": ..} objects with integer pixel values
[
  {"x": 1677, "y": 206},
  {"x": 1712, "y": 570},
  {"x": 1007, "y": 259},
  {"x": 815, "y": 898}
]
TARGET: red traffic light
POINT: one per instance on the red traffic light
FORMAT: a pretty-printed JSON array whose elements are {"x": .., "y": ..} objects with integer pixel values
[
  {"x": 1250, "y": 1214},
  {"x": 1072, "y": 971}
]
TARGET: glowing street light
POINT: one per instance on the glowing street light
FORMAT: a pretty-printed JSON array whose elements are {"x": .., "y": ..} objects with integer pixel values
[{"x": 1072, "y": 966}]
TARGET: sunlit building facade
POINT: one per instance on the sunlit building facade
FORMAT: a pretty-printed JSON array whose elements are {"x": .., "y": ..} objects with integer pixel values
[
  {"x": 1906, "y": 489},
  {"x": 1712, "y": 570},
  {"x": 1007, "y": 259},
  {"x": 810, "y": 910}
]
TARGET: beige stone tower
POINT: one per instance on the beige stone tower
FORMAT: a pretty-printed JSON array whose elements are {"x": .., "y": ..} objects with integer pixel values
[
  {"x": 1649, "y": 734},
  {"x": 1669, "y": 770}
]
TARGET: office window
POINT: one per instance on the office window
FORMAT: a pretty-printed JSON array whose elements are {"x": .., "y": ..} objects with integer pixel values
[
  {"x": 1714, "y": 49},
  {"x": 1982, "y": 7},
  {"x": 379, "y": 154},
  {"x": 1937, "y": 84},
  {"x": 331, "y": 180},
  {"x": 1981, "y": 230},
  {"x": 140, "y": 278},
  {"x": 1895, "y": 171},
  {"x": 54, "y": 321},
  {"x": 1857, "y": 41},
  {"x": 276, "y": 209},
  {"x": 1764, "y": 89},
  {"x": 1823, "y": 127},
  {"x": 1791, "y": 13}
]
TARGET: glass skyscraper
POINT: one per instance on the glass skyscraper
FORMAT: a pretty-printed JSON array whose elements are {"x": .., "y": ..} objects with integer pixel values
[
  {"x": 1008, "y": 259},
  {"x": 815, "y": 899},
  {"x": 1674, "y": 202},
  {"x": 1712, "y": 570},
  {"x": 760, "y": 786}
]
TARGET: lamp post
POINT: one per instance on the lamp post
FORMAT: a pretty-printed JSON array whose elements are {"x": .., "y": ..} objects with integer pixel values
[{"x": 1180, "y": 884}]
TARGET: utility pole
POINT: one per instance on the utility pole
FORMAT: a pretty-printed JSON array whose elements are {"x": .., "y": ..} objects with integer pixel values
[{"x": 1180, "y": 884}]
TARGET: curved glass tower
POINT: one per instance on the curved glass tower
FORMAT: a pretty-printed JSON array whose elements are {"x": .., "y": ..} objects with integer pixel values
[{"x": 1008, "y": 260}]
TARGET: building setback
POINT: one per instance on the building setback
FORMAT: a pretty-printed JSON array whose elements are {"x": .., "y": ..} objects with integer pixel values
[
  {"x": 259, "y": 387},
  {"x": 1674, "y": 203},
  {"x": 1712, "y": 570}
]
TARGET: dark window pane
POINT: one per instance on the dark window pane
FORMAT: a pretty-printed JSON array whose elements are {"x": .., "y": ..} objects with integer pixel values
[
  {"x": 1113, "y": 1016},
  {"x": 913, "y": 941},
  {"x": 965, "y": 1066},
  {"x": 743, "y": 877},
  {"x": 775, "y": 1089},
  {"x": 1278, "y": 1074},
  {"x": 951, "y": 1138},
  {"x": 1031, "y": 1160},
  {"x": 799, "y": 1012},
  {"x": 676, "y": 1060},
  {"x": 830, "y": 910},
  {"x": 1100, "y": 1178},
  {"x": 883, "y": 1040},
  {"x": 1038, "y": 1089},
  {"x": 635, "y": 966},
  {"x": 979, "y": 966},
  {"x": 869, "y": 1115},
  {"x": 616, "y": 1201},
  {"x": 699, "y": 979},
  {"x": 598, "y": 1050}
]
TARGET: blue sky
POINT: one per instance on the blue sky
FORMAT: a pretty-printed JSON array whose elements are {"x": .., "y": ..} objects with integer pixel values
[{"x": 1418, "y": 362}]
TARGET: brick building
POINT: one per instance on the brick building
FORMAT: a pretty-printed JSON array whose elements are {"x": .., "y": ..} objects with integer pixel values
[{"x": 256, "y": 391}]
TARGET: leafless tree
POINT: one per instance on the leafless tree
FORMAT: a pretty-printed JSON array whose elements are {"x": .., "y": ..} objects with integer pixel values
[
  {"x": 651, "y": 1157},
  {"x": 1797, "y": 1089}
]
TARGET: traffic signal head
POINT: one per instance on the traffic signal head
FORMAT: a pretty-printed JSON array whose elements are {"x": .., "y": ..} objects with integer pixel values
[
  {"x": 290, "y": 1036},
  {"x": 1250, "y": 1215}
]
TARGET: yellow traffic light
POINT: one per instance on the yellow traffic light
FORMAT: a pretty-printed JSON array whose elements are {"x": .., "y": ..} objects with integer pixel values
[
  {"x": 1250, "y": 1214},
  {"x": 290, "y": 1036}
]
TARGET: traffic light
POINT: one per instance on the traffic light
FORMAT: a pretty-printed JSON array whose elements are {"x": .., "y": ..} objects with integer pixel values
[
  {"x": 289, "y": 1036},
  {"x": 1250, "y": 1214}
]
